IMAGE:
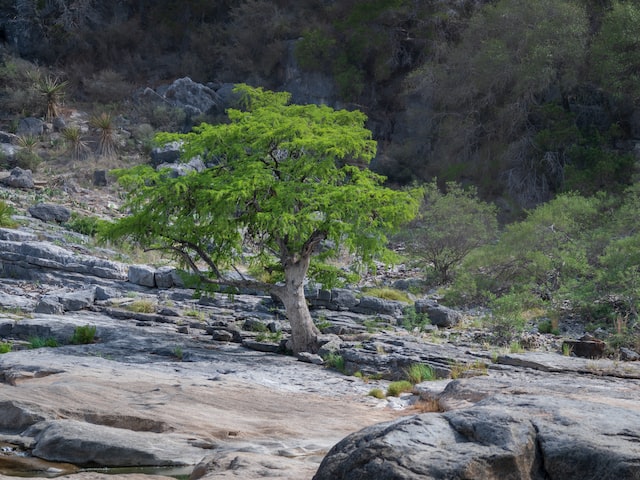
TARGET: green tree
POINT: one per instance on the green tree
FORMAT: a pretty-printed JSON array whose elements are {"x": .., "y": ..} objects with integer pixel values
[
  {"x": 450, "y": 225},
  {"x": 615, "y": 52},
  {"x": 287, "y": 191}
]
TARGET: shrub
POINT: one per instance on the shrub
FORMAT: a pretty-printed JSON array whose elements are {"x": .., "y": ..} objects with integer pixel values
[
  {"x": 412, "y": 319},
  {"x": 335, "y": 361},
  {"x": 83, "y": 335},
  {"x": 5, "y": 347},
  {"x": 420, "y": 372},
  {"x": 77, "y": 148},
  {"x": 86, "y": 225},
  {"x": 450, "y": 225},
  {"x": 401, "y": 386},
  {"x": 52, "y": 89}
]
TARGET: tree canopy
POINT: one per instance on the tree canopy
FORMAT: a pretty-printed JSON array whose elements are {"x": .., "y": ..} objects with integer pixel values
[{"x": 285, "y": 191}]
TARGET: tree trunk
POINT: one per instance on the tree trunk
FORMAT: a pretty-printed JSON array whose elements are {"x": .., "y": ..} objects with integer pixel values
[{"x": 304, "y": 334}]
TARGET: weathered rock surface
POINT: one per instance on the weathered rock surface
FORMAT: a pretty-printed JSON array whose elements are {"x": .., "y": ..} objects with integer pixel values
[{"x": 520, "y": 437}]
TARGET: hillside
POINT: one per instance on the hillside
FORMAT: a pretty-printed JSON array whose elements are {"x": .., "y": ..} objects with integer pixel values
[{"x": 522, "y": 99}]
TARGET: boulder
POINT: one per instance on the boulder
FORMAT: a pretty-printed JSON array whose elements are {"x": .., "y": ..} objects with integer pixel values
[
  {"x": 30, "y": 126},
  {"x": 49, "y": 305},
  {"x": 520, "y": 437},
  {"x": 168, "y": 153},
  {"x": 83, "y": 443},
  {"x": 50, "y": 213},
  {"x": 194, "y": 98},
  {"x": 78, "y": 300},
  {"x": 378, "y": 306},
  {"x": 19, "y": 178},
  {"x": 586, "y": 346},
  {"x": 143, "y": 275},
  {"x": 439, "y": 315}
]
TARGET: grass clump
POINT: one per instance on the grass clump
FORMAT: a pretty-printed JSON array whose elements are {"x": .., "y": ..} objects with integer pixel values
[
  {"x": 142, "y": 306},
  {"x": 335, "y": 361},
  {"x": 388, "y": 293},
  {"x": 6, "y": 215},
  {"x": 5, "y": 347},
  {"x": 41, "y": 342},
  {"x": 376, "y": 393},
  {"x": 420, "y": 372},
  {"x": 83, "y": 335},
  {"x": 401, "y": 386}
]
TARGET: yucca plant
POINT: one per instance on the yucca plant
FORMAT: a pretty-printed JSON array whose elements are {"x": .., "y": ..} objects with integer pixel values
[
  {"x": 76, "y": 146},
  {"x": 107, "y": 139},
  {"x": 28, "y": 142},
  {"x": 52, "y": 89}
]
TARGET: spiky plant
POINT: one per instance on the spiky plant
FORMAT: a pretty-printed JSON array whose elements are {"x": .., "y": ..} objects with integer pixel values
[
  {"x": 106, "y": 131},
  {"x": 52, "y": 89},
  {"x": 76, "y": 146}
]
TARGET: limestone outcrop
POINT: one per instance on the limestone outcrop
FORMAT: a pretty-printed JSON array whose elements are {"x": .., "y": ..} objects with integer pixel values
[{"x": 521, "y": 437}]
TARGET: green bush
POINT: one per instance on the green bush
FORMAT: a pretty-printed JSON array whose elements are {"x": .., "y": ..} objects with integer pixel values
[
  {"x": 412, "y": 319},
  {"x": 401, "y": 386},
  {"x": 387, "y": 293},
  {"x": 5, "y": 347},
  {"x": 449, "y": 227},
  {"x": 83, "y": 335},
  {"x": 86, "y": 225}
]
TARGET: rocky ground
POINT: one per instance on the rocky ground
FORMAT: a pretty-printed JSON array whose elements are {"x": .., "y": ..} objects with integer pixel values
[{"x": 199, "y": 385}]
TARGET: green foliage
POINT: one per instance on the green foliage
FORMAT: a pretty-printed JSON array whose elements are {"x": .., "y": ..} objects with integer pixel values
[
  {"x": 5, "y": 347},
  {"x": 107, "y": 144},
  {"x": 413, "y": 320},
  {"x": 52, "y": 89},
  {"x": 401, "y": 386},
  {"x": 576, "y": 252},
  {"x": 420, "y": 372},
  {"x": 77, "y": 147},
  {"x": 40, "y": 342},
  {"x": 450, "y": 225},
  {"x": 83, "y": 335},
  {"x": 335, "y": 361},
  {"x": 289, "y": 185},
  {"x": 6, "y": 215},
  {"x": 615, "y": 51},
  {"x": 86, "y": 225}
]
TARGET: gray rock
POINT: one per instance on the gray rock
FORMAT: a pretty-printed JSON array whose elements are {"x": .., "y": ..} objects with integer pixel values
[
  {"x": 31, "y": 257},
  {"x": 194, "y": 98},
  {"x": 50, "y": 213},
  {"x": 166, "y": 154},
  {"x": 30, "y": 126},
  {"x": 628, "y": 355},
  {"x": 8, "y": 152},
  {"x": 439, "y": 315},
  {"x": 6, "y": 137},
  {"x": 79, "y": 300},
  {"x": 375, "y": 305},
  {"x": 164, "y": 277},
  {"x": 49, "y": 305},
  {"x": 19, "y": 178},
  {"x": 16, "y": 302},
  {"x": 519, "y": 437},
  {"x": 143, "y": 275},
  {"x": 105, "y": 293},
  {"x": 85, "y": 444},
  {"x": 17, "y": 416}
]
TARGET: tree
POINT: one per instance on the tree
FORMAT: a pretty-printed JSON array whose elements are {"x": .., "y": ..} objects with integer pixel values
[
  {"x": 450, "y": 225},
  {"x": 286, "y": 191}
]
